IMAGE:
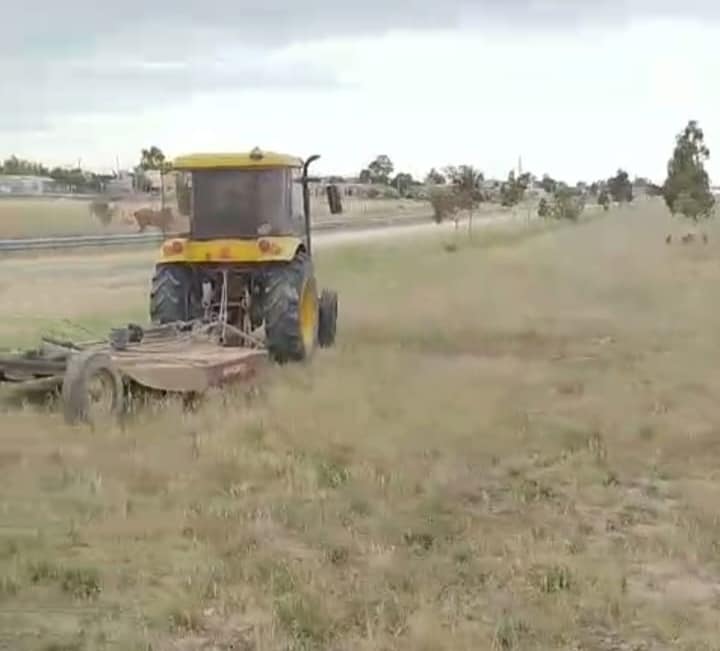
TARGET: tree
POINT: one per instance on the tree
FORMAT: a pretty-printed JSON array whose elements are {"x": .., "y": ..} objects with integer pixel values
[
  {"x": 548, "y": 184},
  {"x": 687, "y": 187},
  {"x": 513, "y": 190},
  {"x": 21, "y": 167},
  {"x": 465, "y": 177},
  {"x": 464, "y": 195},
  {"x": 604, "y": 199},
  {"x": 468, "y": 181},
  {"x": 76, "y": 180},
  {"x": 566, "y": 204},
  {"x": 654, "y": 190},
  {"x": 402, "y": 183},
  {"x": 525, "y": 180},
  {"x": 642, "y": 184},
  {"x": 543, "y": 208},
  {"x": 381, "y": 169},
  {"x": 435, "y": 178},
  {"x": 620, "y": 187},
  {"x": 365, "y": 176},
  {"x": 445, "y": 205},
  {"x": 152, "y": 159}
]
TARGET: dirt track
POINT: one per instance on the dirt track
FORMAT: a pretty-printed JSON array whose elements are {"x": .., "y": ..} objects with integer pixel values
[
  {"x": 52, "y": 261},
  {"x": 351, "y": 237}
]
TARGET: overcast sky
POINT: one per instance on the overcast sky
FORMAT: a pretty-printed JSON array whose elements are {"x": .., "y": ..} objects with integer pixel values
[{"x": 575, "y": 88}]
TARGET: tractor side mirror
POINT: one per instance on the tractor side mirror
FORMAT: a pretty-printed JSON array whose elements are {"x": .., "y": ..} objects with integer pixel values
[{"x": 334, "y": 200}]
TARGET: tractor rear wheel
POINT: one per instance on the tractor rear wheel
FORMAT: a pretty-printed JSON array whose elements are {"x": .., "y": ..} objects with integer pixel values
[
  {"x": 171, "y": 296},
  {"x": 291, "y": 311}
]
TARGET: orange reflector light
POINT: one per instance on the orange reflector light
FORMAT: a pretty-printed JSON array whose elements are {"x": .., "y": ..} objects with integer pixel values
[
  {"x": 264, "y": 246},
  {"x": 173, "y": 248},
  {"x": 225, "y": 252}
]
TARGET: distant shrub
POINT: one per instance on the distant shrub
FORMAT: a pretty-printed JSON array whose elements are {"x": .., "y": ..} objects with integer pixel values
[
  {"x": 543, "y": 208},
  {"x": 418, "y": 193},
  {"x": 444, "y": 203},
  {"x": 565, "y": 204},
  {"x": 388, "y": 192},
  {"x": 604, "y": 200}
]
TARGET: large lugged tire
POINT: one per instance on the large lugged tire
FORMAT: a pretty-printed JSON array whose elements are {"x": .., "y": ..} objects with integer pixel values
[
  {"x": 171, "y": 297},
  {"x": 92, "y": 389},
  {"x": 327, "y": 328},
  {"x": 291, "y": 311}
]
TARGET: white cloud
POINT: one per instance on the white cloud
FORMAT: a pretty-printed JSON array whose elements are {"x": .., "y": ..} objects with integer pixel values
[{"x": 576, "y": 104}]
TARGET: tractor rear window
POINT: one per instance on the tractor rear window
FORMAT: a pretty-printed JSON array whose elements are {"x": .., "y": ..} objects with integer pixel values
[{"x": 241, "y": 203}]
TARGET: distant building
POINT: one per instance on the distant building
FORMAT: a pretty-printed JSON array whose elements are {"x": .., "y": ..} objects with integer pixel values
[
  {"x": 15, "y": 184},
  {"x": 123, "y": 183},
  {"x": 156, "y": 182}
]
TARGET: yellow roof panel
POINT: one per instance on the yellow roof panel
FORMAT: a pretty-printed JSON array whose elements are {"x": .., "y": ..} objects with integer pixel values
[{"x": 251, "y": 159}]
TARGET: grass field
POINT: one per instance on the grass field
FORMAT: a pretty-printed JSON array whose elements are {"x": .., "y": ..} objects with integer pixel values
[
  {"x": 65, "y": 217},
  {"x": 513, "y": 446}
]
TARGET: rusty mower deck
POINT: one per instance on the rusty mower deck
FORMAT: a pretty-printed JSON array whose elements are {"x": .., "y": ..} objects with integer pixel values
[{"x": 94, "y": 378}]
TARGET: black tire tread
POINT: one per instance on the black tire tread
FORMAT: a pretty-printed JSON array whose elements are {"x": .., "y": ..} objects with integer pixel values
[
  {"x": 282, "y": 309},
  {"x": 170, "y": 299},
  {"x": 81, "y": 367},
  {"x": 327, "y": 328}
]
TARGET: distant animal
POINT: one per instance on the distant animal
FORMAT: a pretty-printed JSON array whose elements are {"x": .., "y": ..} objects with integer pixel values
[
  {"x": 688, "y": 237},
  {"x": 668, "y": 239},
  {"x": 103, "y": 211},
  {"x": 705, "y": 238},
  {"x": 161, "y": 219}
]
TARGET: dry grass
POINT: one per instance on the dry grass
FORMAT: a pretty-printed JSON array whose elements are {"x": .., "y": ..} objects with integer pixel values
[
  {"x": 514, "y": 446},
  {"x": 65, "y": 217},
  {"x": 51, "y": 218}
]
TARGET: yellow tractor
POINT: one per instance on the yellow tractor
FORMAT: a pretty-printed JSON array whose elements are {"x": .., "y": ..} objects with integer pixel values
[{"x": 247, "y": 258}]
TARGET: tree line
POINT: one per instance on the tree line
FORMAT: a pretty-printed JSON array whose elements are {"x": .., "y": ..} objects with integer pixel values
[
  {"x": 73, "y": 179},
  {"x": 686, "y": 189}
]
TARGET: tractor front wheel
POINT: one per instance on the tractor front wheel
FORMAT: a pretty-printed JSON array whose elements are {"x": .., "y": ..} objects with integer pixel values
[
  {"x": 291, "y": 311},
  {"x": 328, "y": 318}
]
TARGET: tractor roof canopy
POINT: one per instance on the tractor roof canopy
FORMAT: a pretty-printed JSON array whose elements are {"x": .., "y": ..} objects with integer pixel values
[
  {"x": 244, "y": 195},
  {"x": 246, "y": 160}
]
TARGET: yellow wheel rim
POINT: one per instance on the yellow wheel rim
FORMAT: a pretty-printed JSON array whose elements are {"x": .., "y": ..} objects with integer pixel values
[{"x": 308, "y": 316}]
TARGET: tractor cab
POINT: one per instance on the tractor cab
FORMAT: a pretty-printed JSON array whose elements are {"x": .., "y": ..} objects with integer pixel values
[{"x": 243, "y": 195}]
